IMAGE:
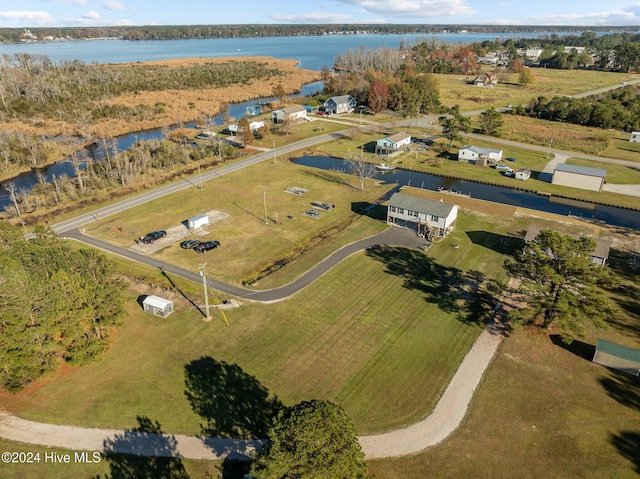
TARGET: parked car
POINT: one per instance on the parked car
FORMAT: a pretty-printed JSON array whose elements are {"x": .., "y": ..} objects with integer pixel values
[
  {"x": 206, "y": 246},
  {"x": 190, "y": 244},
  {"x": 501, "y": 167},
  {"x": 512, "y": 160},
  {"x": 154, "y": 235}
]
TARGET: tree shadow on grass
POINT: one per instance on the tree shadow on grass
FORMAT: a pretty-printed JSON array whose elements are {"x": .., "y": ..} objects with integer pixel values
[
  {"x": 624, "y": 388},
  {"x": 464, "y": 294},
  {"x": 628, "y": 443},
  {"x": 499, "y": 243},
  {"x": 143, "y": 452},
  {"x": 232, "y": 403}
]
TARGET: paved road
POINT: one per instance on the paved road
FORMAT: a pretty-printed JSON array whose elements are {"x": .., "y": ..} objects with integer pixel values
[{"x": 391, "y": 236}]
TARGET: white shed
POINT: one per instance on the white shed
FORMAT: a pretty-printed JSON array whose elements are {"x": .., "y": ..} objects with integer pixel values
[
  {"x": 635, "y": 137},
  {"x": 523, "y": 174},
  {"x": 157, "y": 306},
  {"x": 197, "y": 222}
]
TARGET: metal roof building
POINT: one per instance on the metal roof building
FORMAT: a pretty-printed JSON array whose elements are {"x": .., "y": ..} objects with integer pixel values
[
  {"x": 579, "y": 177},
  {"x": 618, "y": 357},
  {"x": 157, "y": 306}
]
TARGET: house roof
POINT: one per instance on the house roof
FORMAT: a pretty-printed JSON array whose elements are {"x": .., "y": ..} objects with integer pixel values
[
  {"x": 618, "y": 350},
  {"x": 397, "y": 137},
  {"x": 294, "y": 109},
  {"x": 157, "y": 302},
  {"x": 581, "y": 170},
  {"x": 436, "y": 208},
  {"x": 525, "y": 171},
  {"x": 479, "y": 150},
  {"x": 341, "y": 99}
]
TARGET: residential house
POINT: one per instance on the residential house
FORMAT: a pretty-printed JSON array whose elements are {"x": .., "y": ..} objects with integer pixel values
[
  {"x": 393, "y": 145},
  {"x": 579, "y": 177},
  {"x": 532, "y": 54},
  {"x": 253, "y": 126},
  {"x": 598, "y": 256},
  {"x": 340, "y": 104},
  {"x": 479, "y": 156},
  {"x": 523, "y": 174},
  {"x": 486, "y": 79},
  {"x": 434, "y": 219},
  {"x": 293, "y": 114},
  {"x": 635, "y": 137}
]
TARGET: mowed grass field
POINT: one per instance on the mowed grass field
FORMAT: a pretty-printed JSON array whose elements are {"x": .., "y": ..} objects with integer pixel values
[
  {"x": 246, "y": 240},
  {"x": 456, "y": 89},
  {"x": 372, "y": 334}
]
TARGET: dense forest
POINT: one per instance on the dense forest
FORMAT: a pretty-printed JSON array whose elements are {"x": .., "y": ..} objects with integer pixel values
[
  {"x": 57, "y": 304},
  {"x": 173, "y": 32}
]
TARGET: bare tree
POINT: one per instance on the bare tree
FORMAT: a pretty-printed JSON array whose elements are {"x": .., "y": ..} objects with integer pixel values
[
  {"x": 362, "y": 170},
  {"x": 10, "y": 187}
]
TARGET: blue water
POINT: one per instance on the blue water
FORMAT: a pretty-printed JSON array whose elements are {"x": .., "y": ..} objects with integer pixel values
[{"x": 312, "y": 52}]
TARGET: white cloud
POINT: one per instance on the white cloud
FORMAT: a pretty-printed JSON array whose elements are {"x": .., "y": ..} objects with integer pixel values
[
  {"x": 629, "y": 15},
  {"x": 115, "y": 6},
  {"x": 92, "y": 15},
  {"x": 26, "y": 18},
  {"x": 414, "y": 8},
  {"x": 319, "y": 17}
]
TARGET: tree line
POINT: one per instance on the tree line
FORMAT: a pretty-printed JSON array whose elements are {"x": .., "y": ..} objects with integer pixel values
[
  {"x": 57, "y": 304},
  {"x": 619, "y": 109},
  {"x": 172, "y": 32}
]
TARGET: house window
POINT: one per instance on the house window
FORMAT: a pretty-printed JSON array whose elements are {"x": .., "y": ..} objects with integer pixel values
[
  {"x": 413, "y": 213},
  {"x": 435, "y": 218}
]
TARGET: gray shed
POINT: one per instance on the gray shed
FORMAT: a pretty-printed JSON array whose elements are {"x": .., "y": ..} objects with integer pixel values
[
  {"x": 157, "y": 306},
  {"x": 618, "y": 357}
]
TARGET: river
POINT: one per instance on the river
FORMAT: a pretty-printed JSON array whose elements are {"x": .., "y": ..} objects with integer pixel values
[{"x": 311, "y": 52}]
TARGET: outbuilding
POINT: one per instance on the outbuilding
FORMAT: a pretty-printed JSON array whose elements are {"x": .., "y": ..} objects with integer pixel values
[
  {"x": 616, "y": 356},
  {"x": 523, "y": 174},
  {"x": 635, "y": 137},
  {"x": 157, "y": 306},
  {"x": 579, "y": 177},
  {"x": 197, "y": 222}
]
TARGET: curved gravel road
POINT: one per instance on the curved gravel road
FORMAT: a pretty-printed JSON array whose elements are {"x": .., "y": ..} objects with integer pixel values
[{"x": 445, "y": 418}]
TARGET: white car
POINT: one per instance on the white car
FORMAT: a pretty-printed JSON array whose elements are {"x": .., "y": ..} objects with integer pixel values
[{"x": 501, "y": 167}]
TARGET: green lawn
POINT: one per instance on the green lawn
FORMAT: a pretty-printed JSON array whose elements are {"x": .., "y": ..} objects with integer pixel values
[
  {"x": 247, "y": 242},
  {"x": 456, "y": 89},
  {"x": 367, "y": 334}
]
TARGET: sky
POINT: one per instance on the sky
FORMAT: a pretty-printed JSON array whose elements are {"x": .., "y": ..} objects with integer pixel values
[{"x": 60, "y": 13}]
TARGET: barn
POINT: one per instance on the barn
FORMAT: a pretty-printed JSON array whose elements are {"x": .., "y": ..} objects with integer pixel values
[
  {"x": 579, "y": 177},
  {"x": 616, "y": 356},
  {"x": 157, "y": 306}
]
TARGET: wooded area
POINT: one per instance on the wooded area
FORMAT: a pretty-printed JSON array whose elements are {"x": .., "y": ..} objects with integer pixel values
[{"x": 57, "y": 304}]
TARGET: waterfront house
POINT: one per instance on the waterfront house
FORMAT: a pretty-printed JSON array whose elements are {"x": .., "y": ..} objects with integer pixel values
[
  {"x": 340, "y": 104},
  {"x": 434, "y": 219},
  {"x": 292, "y": 114},
  {"x": 479, "y": 156},
  {"x": 393, "y": 145}
]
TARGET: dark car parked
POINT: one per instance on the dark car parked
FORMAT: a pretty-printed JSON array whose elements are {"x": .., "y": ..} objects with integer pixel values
[
  {"x": 512, "y": 160},
  {"x": 190, "y": 244},
  {"x": 206, "y": 246},
  {"x": 155, "y": 235}
]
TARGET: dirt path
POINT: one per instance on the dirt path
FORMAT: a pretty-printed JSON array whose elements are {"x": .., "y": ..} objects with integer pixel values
[{"x": 446, "y": 417}]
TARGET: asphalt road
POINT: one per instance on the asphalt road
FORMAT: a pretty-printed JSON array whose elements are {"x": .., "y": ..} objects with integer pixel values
[{"x": 391, "y": 236}]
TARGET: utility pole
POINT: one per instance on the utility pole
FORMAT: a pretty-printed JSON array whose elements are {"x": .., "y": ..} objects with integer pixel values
[
  {"x": 264, "y": 196},
  {"x": 206, "y": 293},
  {"x": 549, "y": 150},
  {"x": 200, "y": 177}
]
